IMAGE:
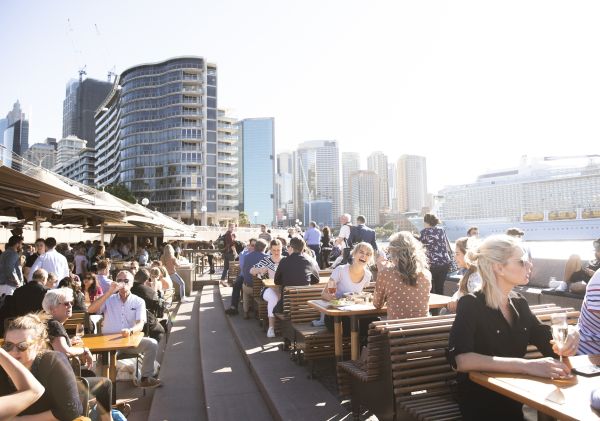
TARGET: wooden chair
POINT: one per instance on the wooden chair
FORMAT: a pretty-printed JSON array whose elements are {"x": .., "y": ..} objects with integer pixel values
[
  {"x": 83, "y": 387},
  {"x": 78, "y": 318}
]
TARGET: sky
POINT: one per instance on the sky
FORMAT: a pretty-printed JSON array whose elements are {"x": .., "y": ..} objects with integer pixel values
[{"x": 471, "y": 85}]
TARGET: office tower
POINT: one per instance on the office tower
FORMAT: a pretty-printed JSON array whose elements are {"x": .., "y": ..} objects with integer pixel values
[
  {"x": 284, "y": 188},
  {"x": 392, "y": 187},
  {"x": 43, "y": 154},
  {"x": 67, "y": 149},
  {"x": 378, "y": 163},
  {"x": 156, "y": 132},
  {"x": 412, "y": 183},
  {"x": 82, "y": 99},
  {"x": 350, "y": 164},
  {"x": 320, "y": 212},
  {"x": 81, "y": 167},
  {"x": 227, "y": 169},
  {"x": 257, "y": 164},
  {"x": 317, "y": 175},
  {"x": 15, "y": 133},
  {"x": 364, "y": 192}
]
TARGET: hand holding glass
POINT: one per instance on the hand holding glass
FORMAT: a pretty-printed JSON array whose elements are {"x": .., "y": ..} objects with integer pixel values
[
  {"x": 560, "y": 330},
  {"x": 79, "y": 331}
]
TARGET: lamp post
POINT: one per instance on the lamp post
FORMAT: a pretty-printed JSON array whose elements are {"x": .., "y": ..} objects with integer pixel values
[{"x": 203, "y": 210}]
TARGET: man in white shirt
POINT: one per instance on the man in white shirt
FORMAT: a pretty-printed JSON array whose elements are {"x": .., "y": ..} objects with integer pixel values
[
  {"x": 344, "y": 230},
  {"x": 51, "y": 261},
  {"x": 126, "y": 313}
]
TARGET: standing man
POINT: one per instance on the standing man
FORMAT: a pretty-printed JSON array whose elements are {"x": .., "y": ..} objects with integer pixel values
[
  {"x": 264, "y": 235},
  {"x": 125, "y": 313},
  {"x": 344, "y": 230},
  {"x": 51, "y": 261},
  {"x": 11, "y": 276},
  {"x": 312, "y": 236},
  {"x": 361, "y": 232},
  {"x": 228, "y": 250},
  {"x": 40, "y": 248}
]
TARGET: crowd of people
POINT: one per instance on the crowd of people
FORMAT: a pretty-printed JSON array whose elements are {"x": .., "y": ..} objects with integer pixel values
[{"x": 40, "y": 287}]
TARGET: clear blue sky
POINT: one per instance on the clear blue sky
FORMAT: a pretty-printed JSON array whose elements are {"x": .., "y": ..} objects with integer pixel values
[{"x": 469, "y": 84}]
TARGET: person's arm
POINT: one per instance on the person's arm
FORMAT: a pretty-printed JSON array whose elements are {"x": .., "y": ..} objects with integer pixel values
[
  {"x": 29, "y": 390},
  {"x": 379, "y": 296},
  {"x": 335, "y": 276},
  {"x": 98, "y": 303},
  {"x": 540, "y": 367},
  {"x": 59, "y": 344},
  {"x": 278, "y": 275},
  {"x": 314, "y": 275}
]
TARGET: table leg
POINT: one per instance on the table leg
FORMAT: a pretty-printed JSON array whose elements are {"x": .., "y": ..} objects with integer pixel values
[
  {"x": 354, "y": 342},
  {"x": 544, "y": 417},
  {"x": 337, "y": 334},
  {"x": 112, "y": 358},
  {"x": 104, "y": 367}
]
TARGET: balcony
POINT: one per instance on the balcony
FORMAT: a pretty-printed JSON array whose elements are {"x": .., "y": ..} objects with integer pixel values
[
  {"x": 228, "y": 180},
  {"x": 227, "y": 159},
  {"x": 227, "y": 170},
  {"x": 228, "y": 127},
  {"x": 226, "y": 148},
  {"x": 228, "y": 202},
  {"x": 228, "y": 192}
]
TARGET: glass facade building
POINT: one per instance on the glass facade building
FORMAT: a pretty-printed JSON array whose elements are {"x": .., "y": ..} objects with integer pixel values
[
  {"x": 257, "y": 156},
  {"x": 156, "y": 132}
]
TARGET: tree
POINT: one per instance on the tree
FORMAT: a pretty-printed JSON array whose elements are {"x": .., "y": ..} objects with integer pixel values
[
  {"x": 121, "y": 191},
  {"x": 244, "y": 221}
]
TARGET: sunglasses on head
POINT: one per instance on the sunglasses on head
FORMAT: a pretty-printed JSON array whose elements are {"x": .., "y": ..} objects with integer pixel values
[{"x": 21, "y": 346}]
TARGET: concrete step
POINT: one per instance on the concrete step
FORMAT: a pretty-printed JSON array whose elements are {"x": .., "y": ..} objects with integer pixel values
[{"x": 290, "y": 394}]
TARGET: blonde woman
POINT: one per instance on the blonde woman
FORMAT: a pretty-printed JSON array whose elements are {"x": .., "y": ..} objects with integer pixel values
[
  {"x": 169, "y": 261},
  {"x": 493, "y": 328},
  {"x": 25, "y": 340},
  {"x": 404, "y": 283},
  {"x": 27, "y": 388},
  {"x": 470, "y": 281}
]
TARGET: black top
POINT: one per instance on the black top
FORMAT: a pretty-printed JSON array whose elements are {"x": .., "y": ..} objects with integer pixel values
[
  {"x": 360, "y": 233},
  {"x": 30, "y": 260},
  {"x": 481, "y": 329},
  {"x": 28, "y": 299},
  {"x": 296, "y": 270},
  {"x": 53, "y": 371},
  {"x": 56, "y": 330}
]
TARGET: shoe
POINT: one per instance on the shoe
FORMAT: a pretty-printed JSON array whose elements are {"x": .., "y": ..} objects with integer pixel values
[
  {"x": 232, "y": 311},
  {"x": 271, "y": 333},
  {"x": 318, "y": 322},
  {"x": 124, "y": 408},
  {"x": 150, "y": 382}
]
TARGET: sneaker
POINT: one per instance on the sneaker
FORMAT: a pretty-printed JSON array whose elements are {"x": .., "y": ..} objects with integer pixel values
[
  {"x": 317, "y": 323},
  {"x": 150, "y": 382},
  {"x": 271, "y": 333},
  {"x": 231, "y": 311}
]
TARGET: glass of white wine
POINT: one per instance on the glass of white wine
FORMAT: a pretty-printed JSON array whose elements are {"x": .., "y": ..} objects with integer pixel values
[
  {"x": 560, "y": 330},
  {"x": 79, "y": 331}
]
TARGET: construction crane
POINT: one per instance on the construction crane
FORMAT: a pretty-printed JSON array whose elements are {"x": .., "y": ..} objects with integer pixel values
[
  {"x": 82, "y": 72},
  {"x": 111, "y": 73}
]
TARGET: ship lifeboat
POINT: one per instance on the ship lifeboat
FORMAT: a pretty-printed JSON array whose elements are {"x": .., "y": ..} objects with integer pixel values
[
  {"x": 557, "y": 216},
  {"x": 590, "y": 213},
  {"x": 533, "y": 216}
]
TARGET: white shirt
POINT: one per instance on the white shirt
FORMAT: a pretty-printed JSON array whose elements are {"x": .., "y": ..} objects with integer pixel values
[
  {"x": 341, "y": 276},
  {"x": 120, "y": 315},
  {"x": 51, "y": 261}
]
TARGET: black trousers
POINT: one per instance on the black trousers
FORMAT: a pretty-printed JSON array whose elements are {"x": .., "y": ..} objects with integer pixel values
[{"x": 438, "y": 277}]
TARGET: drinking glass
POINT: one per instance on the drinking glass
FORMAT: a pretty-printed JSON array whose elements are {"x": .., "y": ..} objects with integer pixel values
[
  {"x": 331, "y": 287},
  {"x": 79, "y": 331},
  {"x": 560, "y": 330}
]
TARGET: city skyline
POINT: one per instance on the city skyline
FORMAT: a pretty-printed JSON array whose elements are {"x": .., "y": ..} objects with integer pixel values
[{"x": 449, "y": 77}]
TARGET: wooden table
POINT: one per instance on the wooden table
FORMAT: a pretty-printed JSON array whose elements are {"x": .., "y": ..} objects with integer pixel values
[
  {"x": 534, "y": 391},
  {"x": 356, "y": 310},
  {"x": 110, "y": 344},
  {"x": 271, "y": 282}
]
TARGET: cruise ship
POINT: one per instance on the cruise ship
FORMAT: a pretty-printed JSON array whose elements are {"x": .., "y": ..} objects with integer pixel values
[{"x": 549, "y": 198}]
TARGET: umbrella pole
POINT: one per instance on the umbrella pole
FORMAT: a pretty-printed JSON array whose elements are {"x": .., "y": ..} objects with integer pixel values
[
  {"x": 102, "y": 232},
  {"x": 38, "y": 228},
  {"x": 134, "y": 244}
]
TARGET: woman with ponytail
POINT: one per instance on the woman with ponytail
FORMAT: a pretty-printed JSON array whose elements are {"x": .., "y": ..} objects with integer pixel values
[
  {"x": 406, "y": 281},
  {"x": 471, "y": 281}
]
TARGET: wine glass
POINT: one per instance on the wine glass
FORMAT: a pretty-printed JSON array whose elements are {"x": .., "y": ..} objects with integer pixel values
[
  {"x": 79, "y": 331},
  {"x": 332, "y": 287},
  {"x": 560, "y": 330}
]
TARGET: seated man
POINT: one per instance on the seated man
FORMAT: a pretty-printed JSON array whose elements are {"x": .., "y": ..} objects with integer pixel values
[
  {"x": 126, "y": 313},
  {"x": 576, "y": 275},
  {"x": 150, "y": 297},
  {"x": 29, "y": 297},
  {"x": 296, "y": 269}
]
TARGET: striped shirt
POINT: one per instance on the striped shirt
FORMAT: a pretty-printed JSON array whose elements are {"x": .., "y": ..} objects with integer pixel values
[
  {"x": 268, "y": 263},
  {"x": 589, "y": 320}
]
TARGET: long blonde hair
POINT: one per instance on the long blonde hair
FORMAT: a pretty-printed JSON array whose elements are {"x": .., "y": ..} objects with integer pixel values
[
  {"x": 494, "y": 249},
  {"x": 408, "y": 256},
  {"x": 168, "y": 253},
  {"x": 466, "y": 246}
]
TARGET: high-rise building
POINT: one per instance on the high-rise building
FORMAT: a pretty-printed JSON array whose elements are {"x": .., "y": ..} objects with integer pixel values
[
  {"x": 81, "y": 167},
  {"x": 156, "y": 132},
  {"x": 350, "y": 164},
  {"x": 15, "y": 130},
  {"x": 364, "y": 192},
  {"x": 68, "y": 148},
  {"x": 257, "y": 164},
  {"x": 82, "y": 99},
  {"x": 284, "y": 188},
  {"x": 43, "y": 154},
  {"x": 392, "y": 187},
  {"x": 412, "y": 183},
  {"x": 378, "y": 163},
  {"x": 228, "y": 193},
  {"x": 317, "y": 175}
]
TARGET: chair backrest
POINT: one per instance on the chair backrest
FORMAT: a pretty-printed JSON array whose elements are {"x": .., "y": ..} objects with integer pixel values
[
  {"x": 78, "y": 318},
  {"x": 295, "y": 303},
  {"x": 83, "y": 387},
  {"x": 75, "y": 365}
]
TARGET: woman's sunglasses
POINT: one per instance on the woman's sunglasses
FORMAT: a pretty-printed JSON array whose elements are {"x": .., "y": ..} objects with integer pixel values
[{"x": 21, "y": 346}]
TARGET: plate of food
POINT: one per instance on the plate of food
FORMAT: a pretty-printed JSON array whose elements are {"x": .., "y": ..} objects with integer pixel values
[{"x": 341, "y": 302}]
